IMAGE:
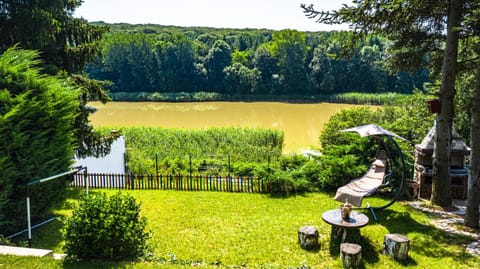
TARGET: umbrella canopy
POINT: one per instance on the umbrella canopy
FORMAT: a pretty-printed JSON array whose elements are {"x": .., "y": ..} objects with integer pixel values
[{"x": 371, "y": 130}]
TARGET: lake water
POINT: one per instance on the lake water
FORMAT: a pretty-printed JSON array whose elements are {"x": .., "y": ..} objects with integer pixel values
[{"x": 301, "y": 123}]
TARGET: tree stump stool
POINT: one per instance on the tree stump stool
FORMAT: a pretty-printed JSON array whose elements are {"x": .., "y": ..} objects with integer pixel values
[
  {"x": 308, "y": 237},
  {"x": 351, "y": 255},
  {"x": 396, "y": 246}
]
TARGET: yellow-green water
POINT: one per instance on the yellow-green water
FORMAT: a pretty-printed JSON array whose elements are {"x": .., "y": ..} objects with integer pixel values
[{"x": 301, "y": 123}]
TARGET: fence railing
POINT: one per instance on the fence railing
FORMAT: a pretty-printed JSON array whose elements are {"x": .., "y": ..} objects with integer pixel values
[{"x": 171, "y": 182}]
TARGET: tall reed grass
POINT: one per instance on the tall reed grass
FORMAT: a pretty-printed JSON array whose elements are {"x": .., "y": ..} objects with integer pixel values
[{"x": 214, "y": 150}]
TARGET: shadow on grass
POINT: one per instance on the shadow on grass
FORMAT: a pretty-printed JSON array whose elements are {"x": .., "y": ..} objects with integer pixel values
[
  {"x": 429, "y": 241},
  {"x": 369, "y": 254},
  {"x": 95, "y": 264},
  {"x": 49, "y": 235}
]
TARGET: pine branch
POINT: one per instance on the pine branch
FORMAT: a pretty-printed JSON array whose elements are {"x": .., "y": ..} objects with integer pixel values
[{"x": 321, "y": 16}]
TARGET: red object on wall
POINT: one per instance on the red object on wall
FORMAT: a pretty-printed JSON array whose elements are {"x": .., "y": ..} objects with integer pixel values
[{"x": 434, "y": 106}]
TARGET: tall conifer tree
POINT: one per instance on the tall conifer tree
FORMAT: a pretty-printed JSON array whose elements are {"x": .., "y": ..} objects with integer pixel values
[{"x": 65, "y": 45}]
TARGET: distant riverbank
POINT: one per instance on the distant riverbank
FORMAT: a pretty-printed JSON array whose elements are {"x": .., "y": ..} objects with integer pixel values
[{"x": 345, "y": 98}]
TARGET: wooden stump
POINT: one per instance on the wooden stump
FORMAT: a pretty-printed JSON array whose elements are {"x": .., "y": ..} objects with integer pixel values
[
  {"x": 351, "y": 255},
  {"x": 396, "y": 246},
  {"x": 308, "y": 237}
]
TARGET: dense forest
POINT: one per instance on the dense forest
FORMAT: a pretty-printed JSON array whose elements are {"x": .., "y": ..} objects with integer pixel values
[{"x": 156, "y": 59}]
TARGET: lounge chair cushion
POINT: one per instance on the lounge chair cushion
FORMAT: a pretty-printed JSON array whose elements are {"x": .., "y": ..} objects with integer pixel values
[
  {"x": 379, "y": 163},
  {"x": 355, "y": 190}
]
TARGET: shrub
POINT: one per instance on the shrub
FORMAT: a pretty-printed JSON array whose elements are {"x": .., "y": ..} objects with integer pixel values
[
  {"x": 292, "y": 161},
  {"x": 338, "y": 170},
  {"x": 310, "y": 172},
  {"x": 281, "y": 183},
  {"x": 285, "y": 183},
  {"x": 245, "y": 169},
  {"x": 103, "y": 228}
]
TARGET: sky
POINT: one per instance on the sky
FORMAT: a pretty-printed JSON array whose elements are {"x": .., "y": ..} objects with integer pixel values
[{"x": 260, "y": 14}]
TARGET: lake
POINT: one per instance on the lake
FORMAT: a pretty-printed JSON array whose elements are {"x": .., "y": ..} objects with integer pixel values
[{"x": 301, "y": 123}]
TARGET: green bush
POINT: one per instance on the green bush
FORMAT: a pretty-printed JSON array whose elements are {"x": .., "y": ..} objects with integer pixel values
[
  {"x": 292, "y": 161},
  {"x": 106, "y": 228},
  {"x": 310, "y": 172},
  {"x": 338, "y": 170},
  {"x": 245, "y": 169},
  {"x": 281, "y": 183},
  {"x": 284, "y": 183}
]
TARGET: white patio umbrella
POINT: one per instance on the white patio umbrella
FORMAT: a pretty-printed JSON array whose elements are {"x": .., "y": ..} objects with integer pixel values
[{"x": 371, "y": 130}]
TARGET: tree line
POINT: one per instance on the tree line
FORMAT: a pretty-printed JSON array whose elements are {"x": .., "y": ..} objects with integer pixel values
[{"x": 165, "y": 59}]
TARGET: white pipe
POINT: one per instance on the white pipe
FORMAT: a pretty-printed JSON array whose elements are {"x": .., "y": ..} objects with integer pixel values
[
  {"x": 86, "y": 183},
  {"x": 28, "y": 220}
]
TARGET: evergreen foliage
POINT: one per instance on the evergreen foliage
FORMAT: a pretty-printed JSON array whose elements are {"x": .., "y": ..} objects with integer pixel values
[
  {"x": 37, "y": 115},
  {"x": 65, "y": 44}
]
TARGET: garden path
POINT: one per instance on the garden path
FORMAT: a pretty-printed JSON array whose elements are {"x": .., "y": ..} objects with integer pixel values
[{"x": 451, "y": 220}]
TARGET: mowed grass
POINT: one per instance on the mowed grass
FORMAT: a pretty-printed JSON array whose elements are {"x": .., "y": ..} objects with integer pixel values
[{"x": 214, "y": 229}]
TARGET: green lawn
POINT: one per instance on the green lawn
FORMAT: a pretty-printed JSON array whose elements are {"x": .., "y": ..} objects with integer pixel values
[{"x": 254, "y": 230}]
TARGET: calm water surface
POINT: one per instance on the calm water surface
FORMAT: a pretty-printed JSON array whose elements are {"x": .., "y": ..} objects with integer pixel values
[{"x": 301, "y": 123}]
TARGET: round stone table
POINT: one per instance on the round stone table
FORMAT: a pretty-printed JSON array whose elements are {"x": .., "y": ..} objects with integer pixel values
[{"x": 344, "y": 230}]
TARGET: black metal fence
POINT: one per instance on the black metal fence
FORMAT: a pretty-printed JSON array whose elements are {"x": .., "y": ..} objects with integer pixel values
[{"x": 171, "y": 182}]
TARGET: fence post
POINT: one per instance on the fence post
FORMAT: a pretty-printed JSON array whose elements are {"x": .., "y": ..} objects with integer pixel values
[
  {"x": 252, "y": 183},
  {"x": 210, "y": 180},
  {"x": 85, "y": 179}
]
